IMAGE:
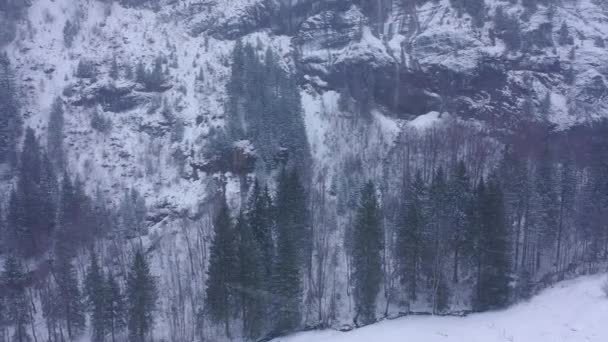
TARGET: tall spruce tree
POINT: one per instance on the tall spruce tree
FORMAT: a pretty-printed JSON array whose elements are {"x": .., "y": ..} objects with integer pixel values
[
  {"x": 287, "y": 274},
  {"x": 251, "y": 273},
  {"x": 31, "y": 208},
  {"x": 71, "y": 303},
  {"x": 292, "y": 215},
  {"x": 368, "y": 239},
  {"x": 71, "y": 219},
  {"x": 260, "y": 219},
  {"x": 459, "y": 197},
  {"x": 114, "y": 69},
  {"x": 567, "y": 200},
  {"x": 547, "y": 207},
  {"x": 3, "y": 320},
  {"x": 437, "y": 234},
  {"x": 15, "y": 298},
  {"x": 18, "y": 235},
  {"x": 95, "y": 292},
  {"x": 132, "y": 213},
  {"x": 141, "y": 299},
  {"x": 10, "y": 118},
  {"x": 593, "y": 203},
  {"x": 410, "y": 239},
  {"x": 114, "y": 308},
  {"x": 54, "y": 136},
  {"x": 493, "y": 258},
  {"x": 513, "y": 175},
  {"x": 222, "y": 274}
]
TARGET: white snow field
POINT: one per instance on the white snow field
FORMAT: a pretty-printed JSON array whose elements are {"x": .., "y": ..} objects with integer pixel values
[{"x": 571, "y": 311}]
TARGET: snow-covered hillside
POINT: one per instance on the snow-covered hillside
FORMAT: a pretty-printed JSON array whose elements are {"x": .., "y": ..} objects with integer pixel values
[
  {"x": 408, "y": 61},
  {"x": 386, "y": 89},
  {"x": 570, "y": 311}
]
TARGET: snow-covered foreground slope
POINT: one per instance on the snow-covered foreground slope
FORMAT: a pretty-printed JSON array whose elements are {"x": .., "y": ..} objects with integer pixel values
[{"x": 574, "y": 310}]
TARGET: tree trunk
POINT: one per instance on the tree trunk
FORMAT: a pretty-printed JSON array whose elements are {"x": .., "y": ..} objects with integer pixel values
[
  {"x": 559, "y": 235},
  {"x": 455, "y": 276}
]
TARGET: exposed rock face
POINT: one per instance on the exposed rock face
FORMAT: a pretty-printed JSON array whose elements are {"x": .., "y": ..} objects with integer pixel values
[
  {"x": 425, "y": 55},
  {"x": 111, "y": 97},
  {"x": 504, "y": 65}
]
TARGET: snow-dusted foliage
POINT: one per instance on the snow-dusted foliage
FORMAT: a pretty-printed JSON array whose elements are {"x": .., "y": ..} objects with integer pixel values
[{"x": 157, "y": 115}]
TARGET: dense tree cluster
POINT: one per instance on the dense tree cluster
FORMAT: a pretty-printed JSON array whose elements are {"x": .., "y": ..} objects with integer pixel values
[
  {"x": 10, "y": 118},
  {"x": 49, "y": 222},
  {"x": 258, "y": 262},
  {"x": 86, "y": 69},
  {"x": 366, "y": 255},
  {"x": 152, "y": 79},
  {"x": 264, "y": 106}
]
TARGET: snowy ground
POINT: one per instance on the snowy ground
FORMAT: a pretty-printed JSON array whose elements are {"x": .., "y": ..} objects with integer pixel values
[{"x": 571, "y": 311}]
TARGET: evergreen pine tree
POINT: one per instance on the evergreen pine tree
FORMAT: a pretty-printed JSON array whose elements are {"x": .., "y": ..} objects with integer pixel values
[
  {"x": 141, "y": 299},
  {"x": 31, "y": 209},
  {"x": 563, "y": 35},
  {"x": 15, "y": 298},
  {"x": 2, "y": 310},
  {"x": 287, "y": 273},
  {"x": 132, "y": 213},
  {"x": 71, "y": 304},
  {"x": 140, "y": 72},
  {"x": 19, "y": 236},
  {"x": 441, "y": 296},
  {"x": 493, "y": 258},
  {"x": 114, "y": 308},
  {"x": 292, "y": 212},
  {"x": 410, "y": 240},
  {"x": 95, "y": 292},
  {"x": 513, "y": 175},
  {"x": 68, "y": 230},
  {"x": 593, "y": 203},
  {"x": 223, "y": 267},
  {"x": 55, "y": 134},
  {"x": 459, "y": 197},
  {"x": 545, "y": 106},
  {"x": 366, "y": 255},
  {"x": 235, "y": 92},
  {"x": 547, "y": 207},
  {"x": 10, "y": 119},
  {"x": 567, "y": 200},
  {"x": 129, "y": 72},
  {"x": 49, "y": 192},
  {"x": 437, "y": 235},
  {"x": 259, "y": 217},
  {"x": 251, "y": 280},
  {"x": 264, "y": 105},
  {"x": 114, "y": 69},
  {"x": 3, "y": 241}
]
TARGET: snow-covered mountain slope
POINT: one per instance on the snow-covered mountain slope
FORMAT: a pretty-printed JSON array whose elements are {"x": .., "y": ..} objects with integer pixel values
[
  {"x": 370, "y": 74},
  {"x": 404, "y": 60},
  {"x": 570, "y": 311}
]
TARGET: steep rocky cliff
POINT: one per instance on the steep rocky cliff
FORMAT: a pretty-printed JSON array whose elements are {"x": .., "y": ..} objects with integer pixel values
[{"x": 505, "y": 64}]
